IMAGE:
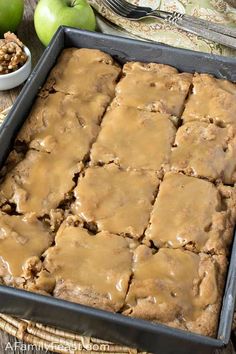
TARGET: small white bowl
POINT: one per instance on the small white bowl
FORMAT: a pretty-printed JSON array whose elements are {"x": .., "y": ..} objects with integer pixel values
[{"x": 16, "y": 78}]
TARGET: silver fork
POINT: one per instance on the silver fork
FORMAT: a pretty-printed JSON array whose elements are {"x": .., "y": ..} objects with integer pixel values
[{"x": 209, "y": 30}]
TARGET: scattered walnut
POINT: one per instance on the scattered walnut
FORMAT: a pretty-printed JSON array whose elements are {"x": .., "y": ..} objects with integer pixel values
[{"x": 12, "y": 55}]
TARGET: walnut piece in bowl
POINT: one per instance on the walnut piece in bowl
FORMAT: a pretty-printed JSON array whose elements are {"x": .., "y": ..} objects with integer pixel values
[{"x": 15, "y": 62}]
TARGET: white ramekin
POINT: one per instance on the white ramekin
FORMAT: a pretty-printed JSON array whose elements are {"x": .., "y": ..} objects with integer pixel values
[{"x": 16, "y": 78}]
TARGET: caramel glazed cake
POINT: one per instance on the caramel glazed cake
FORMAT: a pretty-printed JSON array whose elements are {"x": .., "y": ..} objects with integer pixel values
[{"x": 119, "y": 191}]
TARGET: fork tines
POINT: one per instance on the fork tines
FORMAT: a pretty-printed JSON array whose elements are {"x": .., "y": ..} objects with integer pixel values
[{"x": 122, "y": 7}]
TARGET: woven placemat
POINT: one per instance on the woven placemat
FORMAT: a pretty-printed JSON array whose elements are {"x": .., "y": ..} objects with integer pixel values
[
  {"x": 3, "y": 114},
  {"x": 55, "y": 340}
]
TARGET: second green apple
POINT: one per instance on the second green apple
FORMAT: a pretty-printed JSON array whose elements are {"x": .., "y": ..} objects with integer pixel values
[
  {"x": 11, "y": 13},
  {"x": 50, "y": 14}
]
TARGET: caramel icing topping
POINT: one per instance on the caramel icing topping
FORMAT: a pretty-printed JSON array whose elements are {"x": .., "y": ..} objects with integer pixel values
[
  {"x": 173, "y": 278},
  {"x": 173, "y": 286},
  {"x": 134, "y": 139},
  {"x": 21, "y": 238},
  {"x": 153, "y": 87},
  {"x": 41, "y": 181},
  {"x": 84, "y": 72},
  {"x": 71, "y": 140},
  {"x": 117, "y": 201},
  {"x": 186, "y": 212},
  {"x": 206, "y": 150},
  {"x": 62, "y": 129},
  {"x": 58, "y": 117},
  {"x": 101, "y": 263},
  {"x": 212, "y": 100}
]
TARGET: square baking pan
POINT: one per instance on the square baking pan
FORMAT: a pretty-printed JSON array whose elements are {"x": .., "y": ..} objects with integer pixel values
[{"x": 155, "y": 338}]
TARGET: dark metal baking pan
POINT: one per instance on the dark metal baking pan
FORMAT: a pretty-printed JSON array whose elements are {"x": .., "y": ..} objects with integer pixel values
[{"x": 145, "y": 335}]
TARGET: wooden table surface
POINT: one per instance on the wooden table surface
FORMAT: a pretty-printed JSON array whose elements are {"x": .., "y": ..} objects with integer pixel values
[{"x": 26, "y": 32}]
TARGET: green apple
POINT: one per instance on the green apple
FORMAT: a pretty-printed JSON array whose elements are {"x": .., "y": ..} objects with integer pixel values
[
  {"x": 11, "y": 13},
  {"x": 50, "y": 14}
]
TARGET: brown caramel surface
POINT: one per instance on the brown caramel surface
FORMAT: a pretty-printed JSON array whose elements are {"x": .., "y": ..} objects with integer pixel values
[
  {"x": 84, "y": 72},
  {"x": 22, "y": 240},
  {"x": 212, "y": 100},
  {"x": 206, "y": 150},
  {"x": 90, "y": 269},
  {"x": 177, "y": 287},
  {"x": 115, "y": 200},
  {"x": 134, "y": 139},
  {"x": 41, "y": 181},
  {"x": 57, "y": 126},
  {"x": 153, "y": 87},
  {"x": 191, "y": 213},
  {"x": 59, "y": 117}
]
